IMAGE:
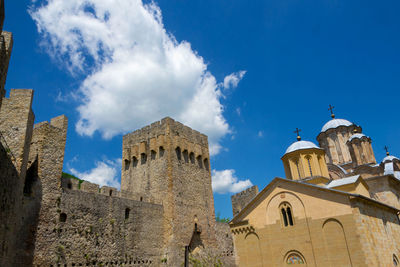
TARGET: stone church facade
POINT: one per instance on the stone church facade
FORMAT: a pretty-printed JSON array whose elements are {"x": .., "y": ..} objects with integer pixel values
[{"x": 336, "y": 206}]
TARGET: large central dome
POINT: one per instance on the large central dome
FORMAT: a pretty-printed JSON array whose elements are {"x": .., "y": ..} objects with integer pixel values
[{"x": 334, "y": 123}]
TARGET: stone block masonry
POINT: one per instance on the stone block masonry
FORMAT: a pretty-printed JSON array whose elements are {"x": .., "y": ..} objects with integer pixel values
[
  {"x": 241, "y": 199},
  {"x": 169, "y": 163}
]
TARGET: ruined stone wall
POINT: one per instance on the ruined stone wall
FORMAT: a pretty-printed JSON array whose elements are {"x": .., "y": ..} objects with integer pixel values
[
  {"x": 169, "y": 162},
  {"x": 241, "y": 199},
  {"x": 46, "y": 156},
  {"x": 16, "y": 123},
  {"x": 379, "y": 233},
  {"x": 225, "y": 243},
  {"x": 6, "y": 44},
  {"x": 92, "y": 227}
]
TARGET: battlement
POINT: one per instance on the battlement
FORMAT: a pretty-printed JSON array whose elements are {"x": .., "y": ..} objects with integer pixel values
[
  {"x": 159, "y": 128},
  {"x": 241, "y": 199},
  {"x": 88, "y": 187}
]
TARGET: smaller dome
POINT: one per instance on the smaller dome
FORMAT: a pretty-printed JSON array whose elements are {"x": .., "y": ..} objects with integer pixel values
[
  {"x": 334, "y": 123},
  {"x": 389, "y": 158},
  {"x": 300, "y": 145},
  {"x": 357, "y": 136}
]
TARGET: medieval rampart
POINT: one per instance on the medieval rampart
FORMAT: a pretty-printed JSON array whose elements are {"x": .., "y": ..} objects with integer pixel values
[{"x": 241, "y": 199}]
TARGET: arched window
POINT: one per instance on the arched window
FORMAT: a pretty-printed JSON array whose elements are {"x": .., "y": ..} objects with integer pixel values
[
  {"x": 178, "y": 153},
  {"x": 127, "y": 163},
  {"x": 206, "y": 164},
  {"x": 153, "y": 155},
  {"x": 161, "y": 151},
  {"x": 285, "y": 221},
  {"x": 286, "y": 214},
  {"x": 294, "y": 258},
  {"x": 199, "y": 162},
  {"x": 308, "y": 158},
  {"x": 143, "y": 158},
  {"x": 191, "y": 157},
  {"x": 395, "y": 261},
  {"x": 134, "y": 162},
  {"x": 185, "y": 156}
]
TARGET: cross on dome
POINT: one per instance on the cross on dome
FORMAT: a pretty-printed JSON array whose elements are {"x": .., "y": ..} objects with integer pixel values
[
  {"x": 387, "y": 150},
  {"x": 298, "y": 134},
  {"x": 331, "y": 110}
]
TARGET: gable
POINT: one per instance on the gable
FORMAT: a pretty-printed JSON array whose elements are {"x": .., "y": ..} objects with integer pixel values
[{"x": 306, "y": 201}]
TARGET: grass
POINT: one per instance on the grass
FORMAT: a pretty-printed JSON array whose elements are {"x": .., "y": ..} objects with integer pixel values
[{"x": 67, "y": 175}]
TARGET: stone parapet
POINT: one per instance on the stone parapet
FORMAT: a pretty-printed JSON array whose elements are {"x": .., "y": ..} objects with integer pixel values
[{"x": 241, "y": 199}]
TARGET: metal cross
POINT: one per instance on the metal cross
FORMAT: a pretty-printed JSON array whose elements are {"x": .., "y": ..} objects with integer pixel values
[
  {"x": 331, "y": 108},
  {"x": 387, "y": 150},
  {"x": 298, "y": 133}
]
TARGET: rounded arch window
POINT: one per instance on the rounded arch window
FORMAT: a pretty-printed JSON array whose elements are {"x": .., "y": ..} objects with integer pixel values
[
  {"x": 286, "y": 211},
  {"x": 395, "y": 261},
  {"x": 294, "y": 258}
]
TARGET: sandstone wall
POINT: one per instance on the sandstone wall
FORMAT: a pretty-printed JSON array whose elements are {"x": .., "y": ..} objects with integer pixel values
[
  {"x": 385, "y": 189},
  {"x": 379, "y": 233}
]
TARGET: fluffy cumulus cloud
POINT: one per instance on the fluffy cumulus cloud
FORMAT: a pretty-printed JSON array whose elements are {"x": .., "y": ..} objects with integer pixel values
[
  {"x": 226, "y": 182},
  {"x": 104, "y": 173},
  {"x": 135, "y": 71}
]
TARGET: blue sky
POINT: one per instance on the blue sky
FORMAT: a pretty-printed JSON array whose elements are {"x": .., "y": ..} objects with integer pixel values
[{"x": 283, "y": 63}]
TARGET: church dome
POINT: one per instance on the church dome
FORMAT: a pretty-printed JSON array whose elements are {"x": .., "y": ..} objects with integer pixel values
[
  {"x": 334, "y": 123},
  {"x": 389, "y": 158},
  {"x": 299, "y": 145},
  {"x": 357, "y": 136}
]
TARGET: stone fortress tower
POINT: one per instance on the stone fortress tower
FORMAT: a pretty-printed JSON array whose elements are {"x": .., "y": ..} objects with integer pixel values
[{"x": 168, "y": 163}]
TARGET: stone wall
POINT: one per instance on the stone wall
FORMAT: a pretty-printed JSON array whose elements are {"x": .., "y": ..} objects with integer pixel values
[
  {"x": 6, "y": 44},
  {"x": 225, "y": 243},
  {"x": 241, "y": 199},
  {"x": 385, "y": 189},
  {"x": 10, "y": 207},
  {"x": 98, "y": 229},
  {"x": 379, "y": 233},
  {"x": 16, "y": 123}
]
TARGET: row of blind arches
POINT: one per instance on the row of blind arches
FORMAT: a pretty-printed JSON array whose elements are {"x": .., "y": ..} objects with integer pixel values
[{"x": 185, "y": 155}]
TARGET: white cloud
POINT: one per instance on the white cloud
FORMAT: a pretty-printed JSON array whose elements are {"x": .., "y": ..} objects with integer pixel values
[
  {"x": 260, "y": 134},
  {"x": 232, "y": 80},
  {"x": 105, "y": 173},
  {"x": 136, "y": 72},
  {"x": 226, "y": 182}
]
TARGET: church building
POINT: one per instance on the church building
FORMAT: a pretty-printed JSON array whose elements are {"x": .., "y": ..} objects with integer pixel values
[{"x": 336, "y": 207}]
